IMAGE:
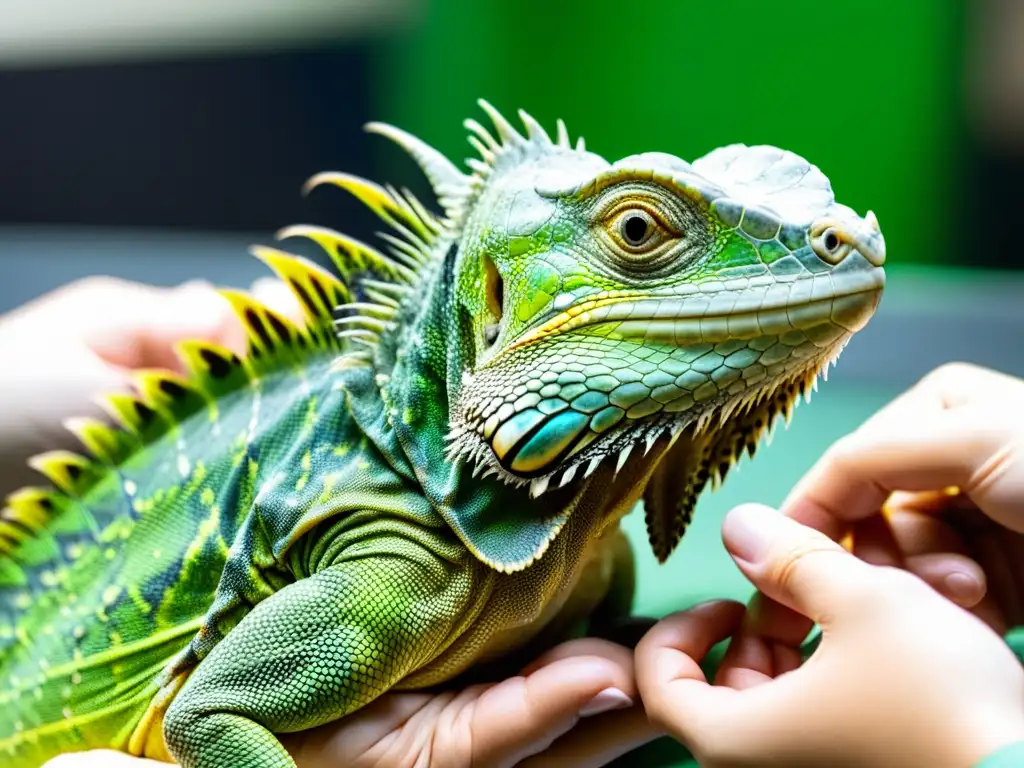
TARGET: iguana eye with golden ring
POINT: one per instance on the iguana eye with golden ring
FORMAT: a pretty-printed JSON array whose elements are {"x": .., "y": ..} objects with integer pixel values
[{"x": 637, "y": 229}]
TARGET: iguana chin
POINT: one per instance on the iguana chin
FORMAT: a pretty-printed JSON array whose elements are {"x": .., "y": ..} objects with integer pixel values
[{"x": 272, "y": 542}]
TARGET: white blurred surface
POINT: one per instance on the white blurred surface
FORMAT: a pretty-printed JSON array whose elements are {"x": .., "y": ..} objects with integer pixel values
[{"x": 43, "y": 32}]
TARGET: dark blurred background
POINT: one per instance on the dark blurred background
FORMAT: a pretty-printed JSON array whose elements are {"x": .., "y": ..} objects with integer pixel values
[{"x": 157, "y": 140}]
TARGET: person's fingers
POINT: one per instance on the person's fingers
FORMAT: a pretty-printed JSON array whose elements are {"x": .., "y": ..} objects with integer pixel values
[
  {"x": 989, "y": 547},
  {"x": 968, "y": 448},
  {"x": 388, "y": 726},
  {"x": 931, "y": 548},
  {"x": 583, "y": 646},
  {"x": 1000, "y": 553},
  {"x": 800, "y": 574},
  {"x": 522, "y": 716},
  {"x": 596, "y": 741},
  {"x": 950, "y": 386},
  {"x": 137, "y": 326},
  {"x": 957, "y": 384},
  {"x": 956, "y": 577},
  {"x": 674, "y": 689},
  {"x": 875, "y": 543},
  {"x": 919, "y": 542},
  {"x": 794, "y": 565},
  {"x": 101, "y": 758},
  {"x": 754, "y": 659},
  {"x": 960, "y": 552}
]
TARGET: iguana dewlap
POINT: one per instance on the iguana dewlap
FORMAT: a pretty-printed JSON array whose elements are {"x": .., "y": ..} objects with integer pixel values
[{"x": 272, "y": 542}]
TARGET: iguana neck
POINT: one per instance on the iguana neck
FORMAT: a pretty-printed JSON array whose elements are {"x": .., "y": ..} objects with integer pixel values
[{"x": 402, "y": 405}]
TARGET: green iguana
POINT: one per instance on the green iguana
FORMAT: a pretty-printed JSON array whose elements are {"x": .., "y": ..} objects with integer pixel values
[{"x": 272, "y": 541}]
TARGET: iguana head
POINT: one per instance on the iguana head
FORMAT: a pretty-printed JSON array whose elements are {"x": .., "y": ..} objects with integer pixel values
[{"x": 611, "y": 307}]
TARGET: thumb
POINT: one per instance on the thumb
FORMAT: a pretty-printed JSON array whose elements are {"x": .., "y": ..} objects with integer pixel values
[{"x": 794, "y": 565}]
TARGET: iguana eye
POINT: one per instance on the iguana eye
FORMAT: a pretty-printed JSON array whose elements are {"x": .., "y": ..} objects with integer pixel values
[
  {"x": 637, "y": 231},
  {"x": 634, "y": 227}
]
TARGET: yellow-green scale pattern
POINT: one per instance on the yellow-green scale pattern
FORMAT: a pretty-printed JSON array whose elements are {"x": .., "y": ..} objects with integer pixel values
[{"x": 121, "y": 582}]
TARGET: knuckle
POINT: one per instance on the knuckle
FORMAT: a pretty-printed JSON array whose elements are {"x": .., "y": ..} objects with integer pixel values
[{"x": 791, "y": 567}]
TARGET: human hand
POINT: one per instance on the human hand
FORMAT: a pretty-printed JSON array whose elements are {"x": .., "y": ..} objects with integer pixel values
[
  {"x": 572, "y": 706},
  {"x": 64, "y": 349},
  {"x": 902, "y": 676},
  {"x": 933, "y": 483}
]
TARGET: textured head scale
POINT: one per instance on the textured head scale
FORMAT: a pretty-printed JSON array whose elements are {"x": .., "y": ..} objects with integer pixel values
[{"x": 610, "y": 309}]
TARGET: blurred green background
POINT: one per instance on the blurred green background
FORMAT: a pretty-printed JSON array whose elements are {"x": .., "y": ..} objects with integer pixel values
[
  {"x": 156, "y": 141},
  {"x": 866, "y": 90}
]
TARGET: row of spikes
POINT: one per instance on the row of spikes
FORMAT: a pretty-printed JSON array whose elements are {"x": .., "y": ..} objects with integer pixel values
[
  {"x": 418, "y": 230},
  {"x": 741, "y": 434},
  {"x": 456, "y": 190},
  {"x": 163, "y": 399}
]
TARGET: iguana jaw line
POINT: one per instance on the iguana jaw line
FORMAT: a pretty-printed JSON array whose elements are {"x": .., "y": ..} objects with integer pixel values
[
  {"x": 765, "y": 308},
  {"x": 824, "y": 309},
  {"x": 626, "y": 439}
]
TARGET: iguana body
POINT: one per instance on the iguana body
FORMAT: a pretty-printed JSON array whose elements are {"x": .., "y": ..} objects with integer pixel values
[{"x": 273, "y": 542}]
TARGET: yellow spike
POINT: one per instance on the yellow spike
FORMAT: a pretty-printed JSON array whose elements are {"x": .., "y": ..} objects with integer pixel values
[
  {"x": 10, "y": 536},
  {"x": 373, "y": 196},
  {"x": 103, "y": 441},
  {"x": 153, "y": 385},
  {"x": 127, "y": 410},
  {"x": 317, "y": 290},
  {"x": 30, "y": 507},
  {"x": 64, "y": 469},
  {"x": 358, "y": 256},
  {"x": 267, "y": 331},
  {"x": 213, "y": 367}
]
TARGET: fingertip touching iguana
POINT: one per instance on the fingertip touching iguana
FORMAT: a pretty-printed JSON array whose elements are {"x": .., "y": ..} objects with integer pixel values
[{"x": 418, "y": 478}]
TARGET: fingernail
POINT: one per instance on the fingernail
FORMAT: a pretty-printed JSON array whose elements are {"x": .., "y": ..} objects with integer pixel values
[
  {"x": 746, "y": 531},
  {"x": 606, "y": 701},
  {"x": 961, "y": 586}
]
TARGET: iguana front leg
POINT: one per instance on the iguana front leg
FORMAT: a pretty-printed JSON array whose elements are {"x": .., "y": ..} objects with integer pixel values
[{"x": 315, "y": 651}]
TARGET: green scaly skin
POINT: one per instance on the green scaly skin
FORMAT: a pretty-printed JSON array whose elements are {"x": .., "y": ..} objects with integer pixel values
[{"x": 273, "y": 542}]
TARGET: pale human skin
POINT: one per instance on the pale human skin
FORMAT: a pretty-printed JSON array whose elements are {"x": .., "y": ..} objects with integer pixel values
[
  {"x": 903, "y": 676},
  {"x": 578, "y": 699}
]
